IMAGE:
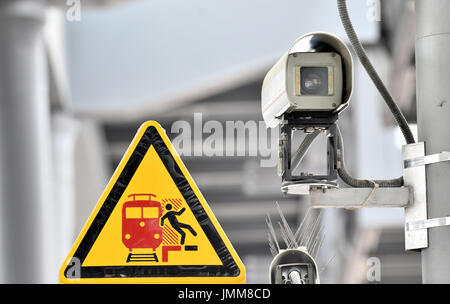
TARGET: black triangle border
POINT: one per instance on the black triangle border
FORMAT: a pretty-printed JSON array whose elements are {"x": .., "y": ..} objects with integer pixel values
[{"x": 149, "y": 138}]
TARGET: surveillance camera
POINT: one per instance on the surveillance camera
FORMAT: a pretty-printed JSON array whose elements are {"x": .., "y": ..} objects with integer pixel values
[
  {"x": 305, "y": 91},
  {"x": 314, "y": 76}
]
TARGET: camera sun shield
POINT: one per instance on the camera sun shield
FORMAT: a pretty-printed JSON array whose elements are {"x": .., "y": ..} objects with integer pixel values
[{"x": 314, "y": 76}]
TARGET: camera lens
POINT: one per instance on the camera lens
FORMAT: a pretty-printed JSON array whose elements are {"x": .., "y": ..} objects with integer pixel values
[{"x": 314, "y": 80}]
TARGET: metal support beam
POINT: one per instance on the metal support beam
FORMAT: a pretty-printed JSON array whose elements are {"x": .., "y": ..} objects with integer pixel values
[
  {"x": 25, "y": 172},
  {"x": 361, "y": 197},
  {"x": 433, "y": 112}
]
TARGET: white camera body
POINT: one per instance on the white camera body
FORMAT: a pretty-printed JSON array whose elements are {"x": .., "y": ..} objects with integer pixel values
[{"x": 314, "y": 75}]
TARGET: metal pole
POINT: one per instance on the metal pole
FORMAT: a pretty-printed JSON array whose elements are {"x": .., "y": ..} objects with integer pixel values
[
  {"x": 433, "y": 119},
  {"x": 25, "y": 172}
]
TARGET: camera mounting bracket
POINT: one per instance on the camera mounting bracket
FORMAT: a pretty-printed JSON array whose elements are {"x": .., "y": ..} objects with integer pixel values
[
  {"x": 417, "y": 222},
  {"x": 412, "y": 196},
  {"x": 307, "y": 121}
]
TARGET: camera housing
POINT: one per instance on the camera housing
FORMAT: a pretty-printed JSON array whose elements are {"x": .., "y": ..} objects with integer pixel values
[
  {"x": 315, "y": 76},
  {"x": 305, "y": 91}
]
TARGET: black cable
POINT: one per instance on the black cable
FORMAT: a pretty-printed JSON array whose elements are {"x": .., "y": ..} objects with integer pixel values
[
  {"x": 356, "y": 182},
  {"x": 361, "y": 53}
]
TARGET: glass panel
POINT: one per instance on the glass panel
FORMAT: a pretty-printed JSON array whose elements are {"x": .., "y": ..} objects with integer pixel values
[{"x": 315, "y": 160}]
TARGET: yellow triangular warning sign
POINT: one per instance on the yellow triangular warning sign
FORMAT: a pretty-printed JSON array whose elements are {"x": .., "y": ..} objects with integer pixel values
[{"x": 152, "y": 225}]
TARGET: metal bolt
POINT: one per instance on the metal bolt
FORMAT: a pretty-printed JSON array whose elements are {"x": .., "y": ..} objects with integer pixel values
[{"x": 294, "y": 277}]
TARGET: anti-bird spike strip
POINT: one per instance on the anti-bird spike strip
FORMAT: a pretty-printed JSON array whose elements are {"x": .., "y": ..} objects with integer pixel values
[
  {"x": 316, "y": 254},
  {"x": 284, "y": 235},
  {"x": 273, "y": 250},
  {"x": 272, "y": 232},
  {"x": 305, "y": 233},
  {"x": 313, "y": 232},
  {"x": 303, "y": 227},
  {"x": 299, "y": 229},
  {"x": 317, "y": 241},
  {"x": 289, "y": 234},
  {"x": 310, "y": 233}
]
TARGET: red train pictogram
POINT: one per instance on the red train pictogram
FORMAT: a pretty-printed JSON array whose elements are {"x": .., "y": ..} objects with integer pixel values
[{"x": 141, "y": 222}]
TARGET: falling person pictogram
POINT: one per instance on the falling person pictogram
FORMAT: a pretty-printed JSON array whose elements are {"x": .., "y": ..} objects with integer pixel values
[{"x": 172, "y": 218}]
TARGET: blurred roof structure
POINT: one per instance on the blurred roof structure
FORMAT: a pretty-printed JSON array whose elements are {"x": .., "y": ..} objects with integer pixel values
[{"x": 144, "y": 57}]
